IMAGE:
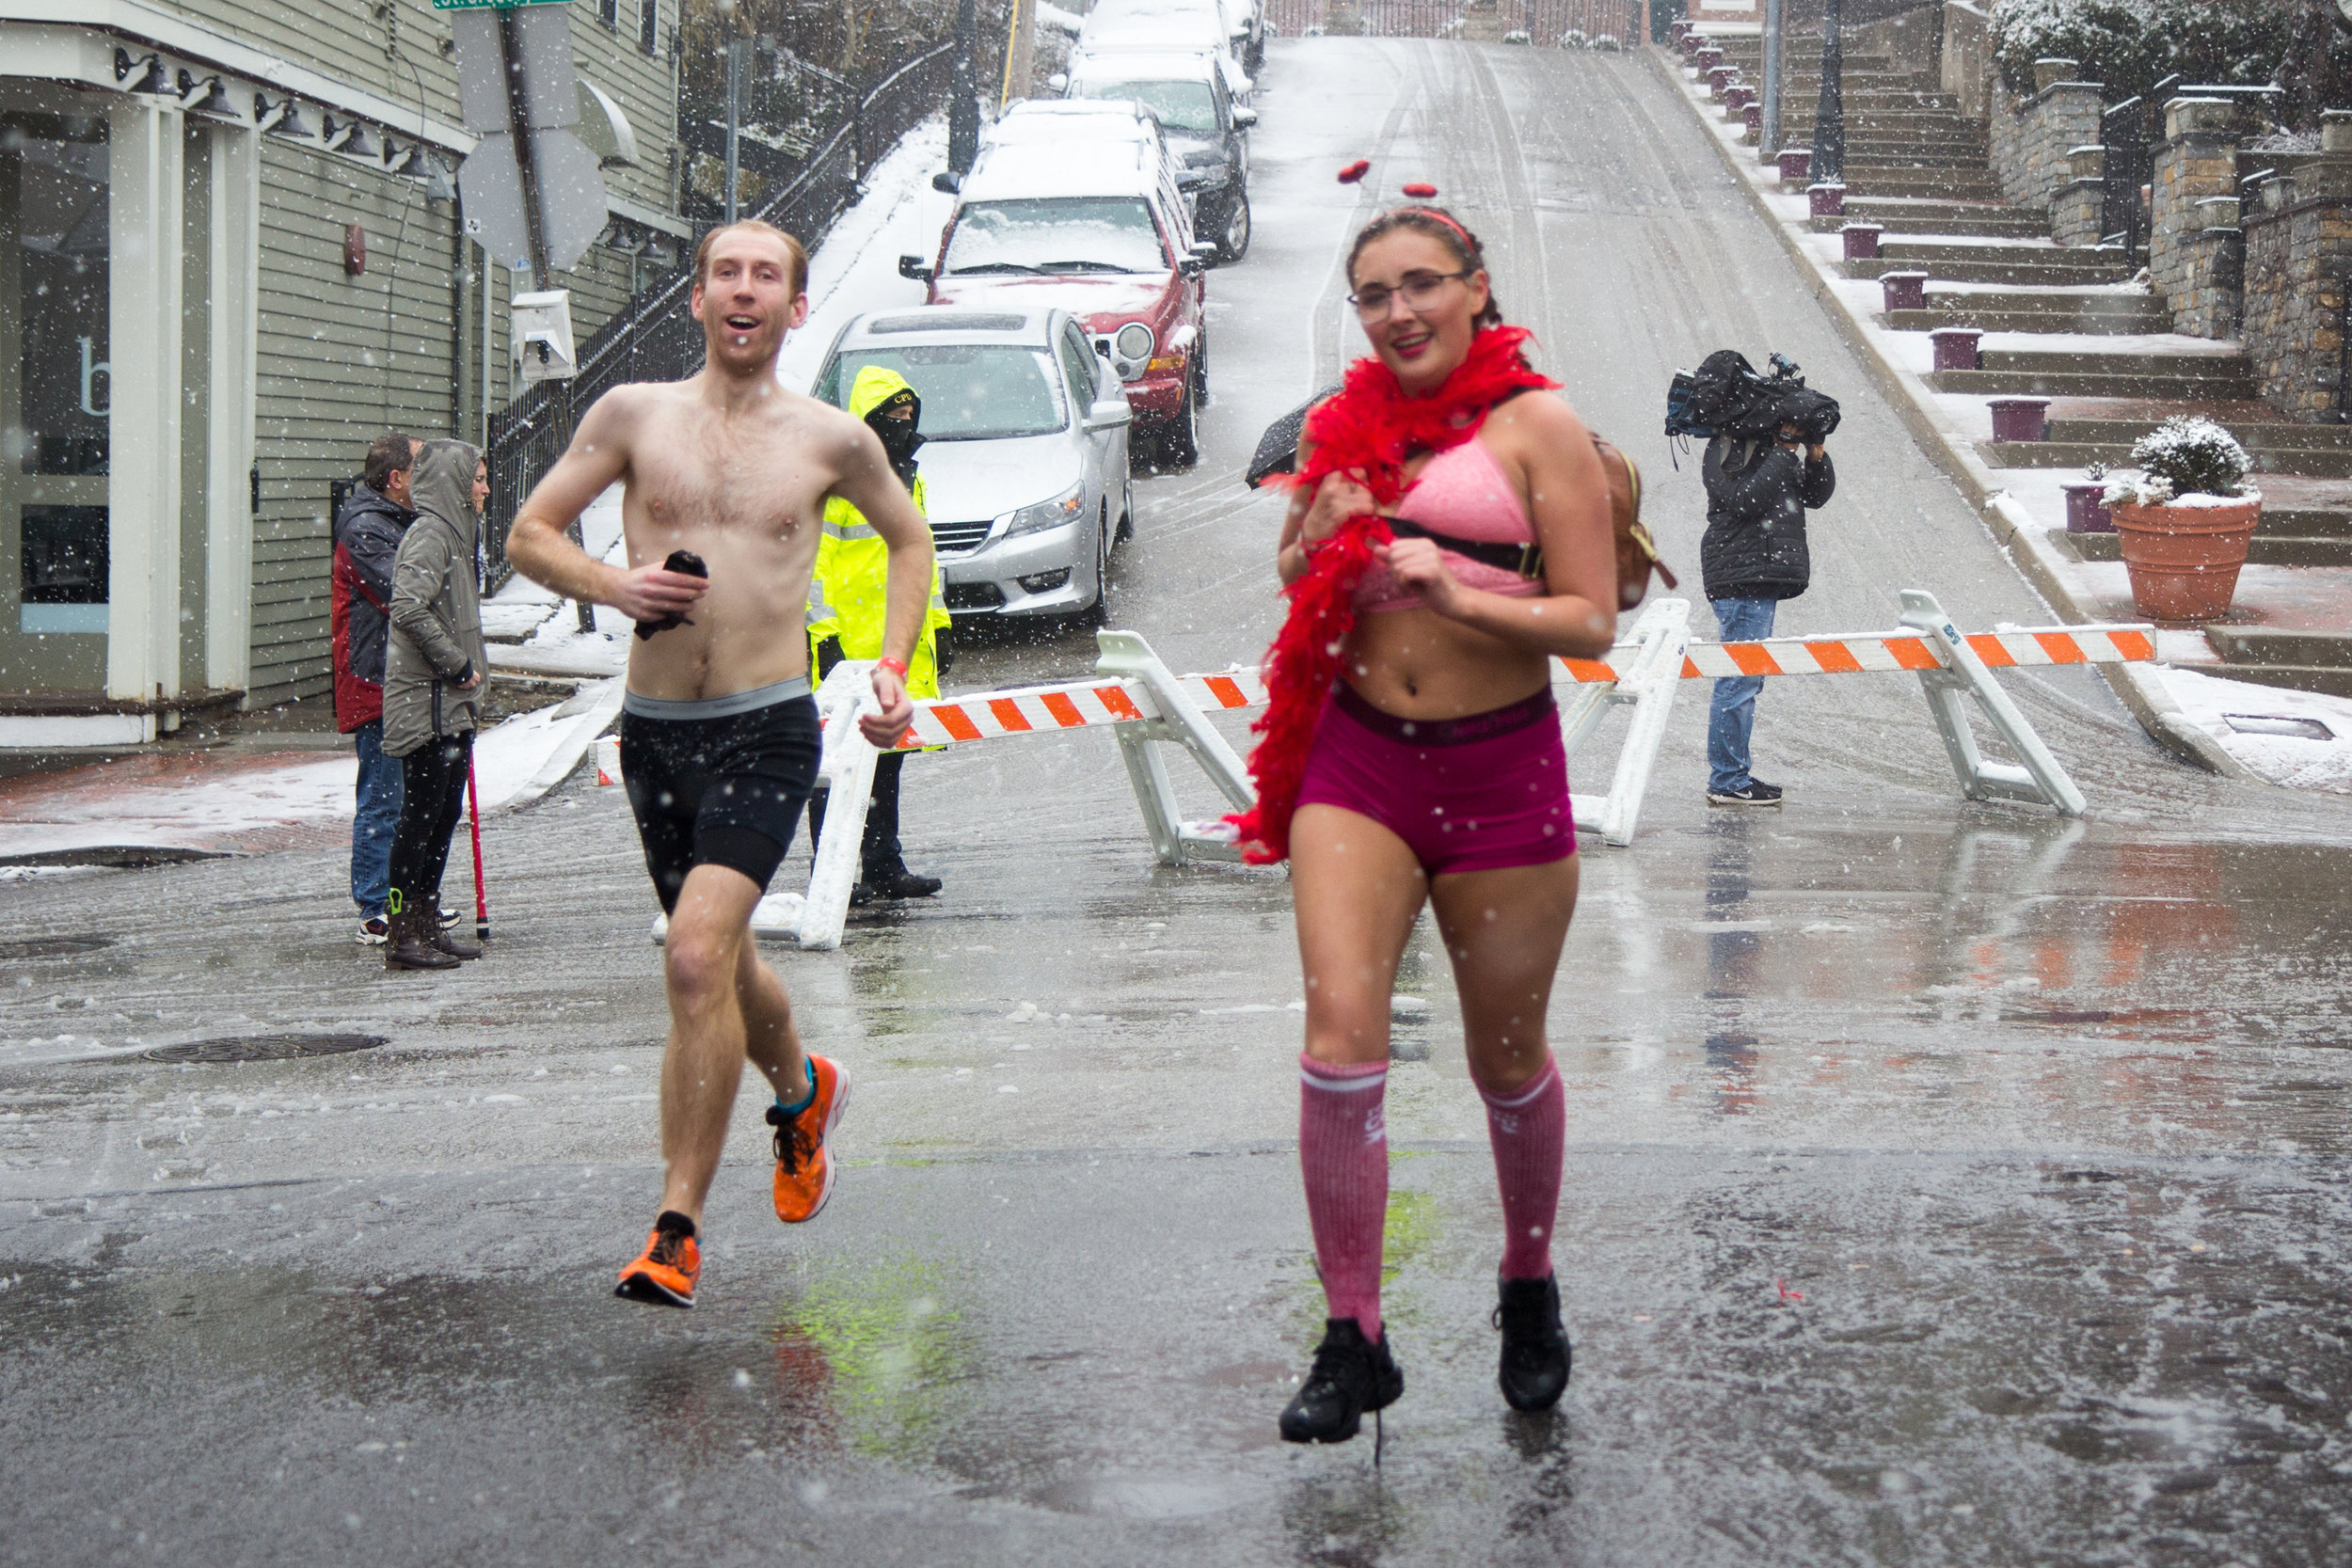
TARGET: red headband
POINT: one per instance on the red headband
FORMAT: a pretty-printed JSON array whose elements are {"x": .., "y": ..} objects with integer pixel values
[{"x": 1441, "y": 217}]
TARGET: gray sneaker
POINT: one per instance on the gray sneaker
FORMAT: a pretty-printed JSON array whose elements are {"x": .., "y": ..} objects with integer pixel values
[{"x": 1757, "y": 793}]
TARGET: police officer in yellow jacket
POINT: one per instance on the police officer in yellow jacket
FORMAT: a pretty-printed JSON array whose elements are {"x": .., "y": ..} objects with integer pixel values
[{"x": 845, "y": 620}]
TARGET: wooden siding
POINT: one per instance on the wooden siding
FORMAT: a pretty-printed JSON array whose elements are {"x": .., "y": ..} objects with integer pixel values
[{"x": 340, "y": 360}]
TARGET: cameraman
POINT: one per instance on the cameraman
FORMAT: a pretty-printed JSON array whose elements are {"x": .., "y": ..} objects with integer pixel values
[{"x": 1754, "y": 556}]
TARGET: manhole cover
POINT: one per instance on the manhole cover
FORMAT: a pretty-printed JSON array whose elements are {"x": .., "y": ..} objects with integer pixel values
[
  {"x": 262, "y": 1047},
  {"x": 51, "y": 947}
]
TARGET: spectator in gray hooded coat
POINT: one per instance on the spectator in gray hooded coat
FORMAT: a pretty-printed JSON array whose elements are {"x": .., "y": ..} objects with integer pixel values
[{"x": 433, "y": 680}]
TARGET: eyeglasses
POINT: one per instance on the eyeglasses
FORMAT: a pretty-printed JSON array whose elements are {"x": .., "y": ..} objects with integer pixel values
[{"x": 1420, "y": 289}]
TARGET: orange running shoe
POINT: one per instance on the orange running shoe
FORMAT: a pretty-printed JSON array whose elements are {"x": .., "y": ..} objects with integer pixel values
[
  {"x": 664, "y": 1273},
  {"x": 803, "y": 1164}
]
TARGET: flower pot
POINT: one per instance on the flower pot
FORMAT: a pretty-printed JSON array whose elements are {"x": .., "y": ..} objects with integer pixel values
[
  {"x": 1955, "y": 346},
  {"x": 2184, "y": 560},
  {"x": 1827, "y": 199},
  {"x": 2020, "y": 419},
  {"x": 1752, "y": 121},
  {"x": 1905, "y": 291},
  {"x": 1862, "y": 241},
  {"x": 2087, "y": 510},
  {"x": 1796, "y": 163}
]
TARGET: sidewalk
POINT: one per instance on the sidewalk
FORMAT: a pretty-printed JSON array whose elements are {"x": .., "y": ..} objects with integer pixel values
[
  {"x": 2295, "y": 738},
  {"x": 250, "y": 799}
]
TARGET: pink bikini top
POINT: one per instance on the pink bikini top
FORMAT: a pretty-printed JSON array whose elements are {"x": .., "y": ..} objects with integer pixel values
[{"x": 1462, "y": 491}]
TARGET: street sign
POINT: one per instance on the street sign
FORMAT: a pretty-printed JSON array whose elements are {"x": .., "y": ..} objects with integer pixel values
[{"x": 532, "y": 193}]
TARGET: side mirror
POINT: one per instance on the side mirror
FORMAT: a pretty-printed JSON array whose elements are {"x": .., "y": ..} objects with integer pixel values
[
  {"x": 1204, "y": 251},
  {"x": 1060, "y": 81},
  {"x": 1245, "y": 118},
  {"x": 1190, "y": 178},
  {"x": 912, "y": 266},
  {"x": 948, "y": 180},
  {"x": 1191, "y": 266},
  {"x": 1109, "y": 414}
]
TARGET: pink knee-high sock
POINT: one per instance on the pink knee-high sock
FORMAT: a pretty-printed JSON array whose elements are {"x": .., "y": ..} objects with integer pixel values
[
  {"x": 1527, "y": 1127},
  {"x": 1343, "y": 1152}
]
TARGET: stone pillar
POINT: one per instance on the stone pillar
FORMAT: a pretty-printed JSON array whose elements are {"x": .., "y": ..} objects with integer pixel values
[
  {"x": 2298, "y": 264},
  {"x": 2078, "y": 212},
  {"x": 2198, "y": 160},
  {"x": 2032, "y": 139},
  {"x": 2213, "y": 273},
  {"x": 1481, "y": 22}
]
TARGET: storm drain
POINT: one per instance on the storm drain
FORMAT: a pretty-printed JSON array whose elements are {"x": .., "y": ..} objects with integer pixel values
[
  {"x": 262, "y": 1047},
  {"x": 51, "y": 947}
]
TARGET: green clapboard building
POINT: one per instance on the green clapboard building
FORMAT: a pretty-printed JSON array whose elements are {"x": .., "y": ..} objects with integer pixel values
[{"x": 230, "y": 255}]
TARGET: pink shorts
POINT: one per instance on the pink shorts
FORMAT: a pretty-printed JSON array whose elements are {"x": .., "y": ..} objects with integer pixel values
[{"x": 1473, "y": 794}]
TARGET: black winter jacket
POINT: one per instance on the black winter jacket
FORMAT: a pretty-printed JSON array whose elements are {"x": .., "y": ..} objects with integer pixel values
[
  {"x": 368, "y": 535},
  {"x": 1757, "y": 496}
]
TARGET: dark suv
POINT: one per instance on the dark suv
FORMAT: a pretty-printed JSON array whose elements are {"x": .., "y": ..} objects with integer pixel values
[{"x": 1208, "y": 134}]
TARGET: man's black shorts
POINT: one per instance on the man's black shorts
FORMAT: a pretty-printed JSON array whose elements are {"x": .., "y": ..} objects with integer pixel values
[{"x": 721, "y": 789}]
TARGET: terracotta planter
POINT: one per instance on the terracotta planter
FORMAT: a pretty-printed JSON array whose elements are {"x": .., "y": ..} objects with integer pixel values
[{"x": 2183, "y": 559}]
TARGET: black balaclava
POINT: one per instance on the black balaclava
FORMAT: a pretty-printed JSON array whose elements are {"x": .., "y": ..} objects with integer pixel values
[{"x": 900, "y": 438}]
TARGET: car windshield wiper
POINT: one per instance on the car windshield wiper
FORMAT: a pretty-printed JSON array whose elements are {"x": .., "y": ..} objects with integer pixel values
[
  {"x": 1080, "y": 266},
  {"x": 994, "y": 266}
]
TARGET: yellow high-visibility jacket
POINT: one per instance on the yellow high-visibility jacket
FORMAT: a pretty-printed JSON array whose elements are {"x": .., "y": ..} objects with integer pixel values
[{"x": 845, "y": 597}]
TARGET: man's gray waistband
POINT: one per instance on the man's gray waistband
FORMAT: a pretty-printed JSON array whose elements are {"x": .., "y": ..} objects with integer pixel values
[{"x": 716, "y": 707}]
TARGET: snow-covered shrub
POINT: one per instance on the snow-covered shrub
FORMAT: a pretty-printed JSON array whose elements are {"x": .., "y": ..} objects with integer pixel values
[
  {"x": 2131, "y": 45},
  {"x": 1517, "y": 35},
  {"x": 1606, "y": 43},
  {"x": 2184, "y": 456},
  {"x": 1574, "y": 39}
]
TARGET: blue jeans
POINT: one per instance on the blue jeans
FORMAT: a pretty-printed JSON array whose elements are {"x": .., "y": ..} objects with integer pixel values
[
  {"x": 371, "y": 825},
  {"x": 1731, "y": 716}
]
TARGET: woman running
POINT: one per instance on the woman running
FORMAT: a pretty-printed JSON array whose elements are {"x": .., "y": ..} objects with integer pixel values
[{"x": 1446, "y": 537}]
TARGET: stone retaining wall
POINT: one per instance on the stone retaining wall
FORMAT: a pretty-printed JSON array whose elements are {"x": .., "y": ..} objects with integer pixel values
[
  {"x": 2198, "y": 163},
  {"x": 2298, "y": 258},
  {"x": 2032, "y": 138},
  {"x": 2078, "y": 212}
]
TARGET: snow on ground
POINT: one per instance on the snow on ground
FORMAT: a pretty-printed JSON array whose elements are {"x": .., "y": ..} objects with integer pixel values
[
  {"x": 857, "y": 267},
  {"x": 2305, "y": 761},
  {"x": 242, "y": 803}
]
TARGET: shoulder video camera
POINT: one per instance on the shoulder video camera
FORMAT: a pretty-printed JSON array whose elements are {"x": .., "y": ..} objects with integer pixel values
[{"x": 1728, "y": 396}]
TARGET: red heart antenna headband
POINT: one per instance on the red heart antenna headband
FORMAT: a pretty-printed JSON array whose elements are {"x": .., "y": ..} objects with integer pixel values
[{"x": 1419, "y": 190}]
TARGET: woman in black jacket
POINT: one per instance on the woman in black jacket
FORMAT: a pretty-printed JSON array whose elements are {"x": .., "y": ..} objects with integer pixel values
[{"x": 1752, "y": 556}]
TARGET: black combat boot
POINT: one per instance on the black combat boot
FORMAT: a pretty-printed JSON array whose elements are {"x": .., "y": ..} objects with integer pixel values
[
  {"x": 1351, "y": 1376},
  {"x": 407, "y": 943},
  {"x": 1534, "y": 1346}
]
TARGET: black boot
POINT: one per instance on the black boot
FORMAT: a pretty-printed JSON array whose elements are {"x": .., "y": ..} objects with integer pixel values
[
  {"x": 1534, "y": 1346},
  {"x": 446, "y": 940},
  {"x": 892, "y": 879},
  {"x": 408, "y": 945},
  {"x": 1351, "y": 1376}
]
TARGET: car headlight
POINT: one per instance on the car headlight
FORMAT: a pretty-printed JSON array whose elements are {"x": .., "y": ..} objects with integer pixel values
[
  {"x": 1133, "y": 341},
  {"x": 1063, "y": 508}
]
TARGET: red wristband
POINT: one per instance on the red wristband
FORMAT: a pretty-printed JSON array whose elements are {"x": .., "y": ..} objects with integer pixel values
[{"x": 896, "y": 666}]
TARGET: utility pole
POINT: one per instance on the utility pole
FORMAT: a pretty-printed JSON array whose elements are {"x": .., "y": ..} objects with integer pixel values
[
  {"x": 738, "y": 66},
  {"x": 1767, "y": 141},
  {"x": 964, "y": 104},
  {"x": 1829, "y": 130}
]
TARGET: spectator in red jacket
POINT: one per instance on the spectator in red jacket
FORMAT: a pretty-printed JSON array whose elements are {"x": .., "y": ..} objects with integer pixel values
[{"x": 367, "y": 537}]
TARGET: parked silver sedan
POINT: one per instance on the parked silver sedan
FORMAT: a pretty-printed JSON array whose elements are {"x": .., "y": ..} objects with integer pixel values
[{"x": 1025, "y": 468}]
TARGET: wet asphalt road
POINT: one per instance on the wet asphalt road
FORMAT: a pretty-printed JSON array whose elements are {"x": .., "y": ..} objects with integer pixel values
[{"x": 1947, "y": 1183}]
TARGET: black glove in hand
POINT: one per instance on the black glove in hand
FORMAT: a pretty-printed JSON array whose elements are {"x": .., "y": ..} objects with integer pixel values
[{"x": 684, "y": 562}]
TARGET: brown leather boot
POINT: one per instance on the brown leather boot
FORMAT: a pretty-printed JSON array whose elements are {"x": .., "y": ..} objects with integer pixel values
[
  {"x": 408, "y": 943},
  {"x": 447, "y": 940}
]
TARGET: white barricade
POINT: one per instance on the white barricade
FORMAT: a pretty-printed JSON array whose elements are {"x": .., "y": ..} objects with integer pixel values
[
  {"x": 1143, "y": 703},
  {"x": 1645, "y": 678}
]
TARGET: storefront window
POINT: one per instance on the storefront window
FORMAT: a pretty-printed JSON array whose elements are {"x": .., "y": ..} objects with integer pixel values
[{"x": 53, "y": 302}]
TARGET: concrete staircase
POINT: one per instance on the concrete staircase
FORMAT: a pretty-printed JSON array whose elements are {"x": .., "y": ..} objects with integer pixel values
[{"x": 1920, "y": 171}]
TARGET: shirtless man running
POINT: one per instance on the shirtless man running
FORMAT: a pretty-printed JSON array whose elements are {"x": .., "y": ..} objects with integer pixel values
[{"x": 718, "y": 733}]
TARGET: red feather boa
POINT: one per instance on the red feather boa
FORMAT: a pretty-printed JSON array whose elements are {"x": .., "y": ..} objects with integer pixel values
[{"x": 1368, "y": 431}]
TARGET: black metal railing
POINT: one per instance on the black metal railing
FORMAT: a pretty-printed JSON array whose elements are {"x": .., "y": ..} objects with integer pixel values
[
  {"x": 654, "y": 339},
  {"x": 2129, "y": 164}
]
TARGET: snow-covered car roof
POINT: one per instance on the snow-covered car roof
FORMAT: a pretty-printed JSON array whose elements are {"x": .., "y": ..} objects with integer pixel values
[
  {"x": 1172, "y": 19},
  {"x": 1021, "y": 169},
  {"x": 1145, "y": 65},
  {"x": 1062, "y": 121},
  {"x": 948, "y": 322}
]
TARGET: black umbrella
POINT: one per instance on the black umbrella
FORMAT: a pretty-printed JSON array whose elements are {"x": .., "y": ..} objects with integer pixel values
[{"x": 1277, "y": 448}]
